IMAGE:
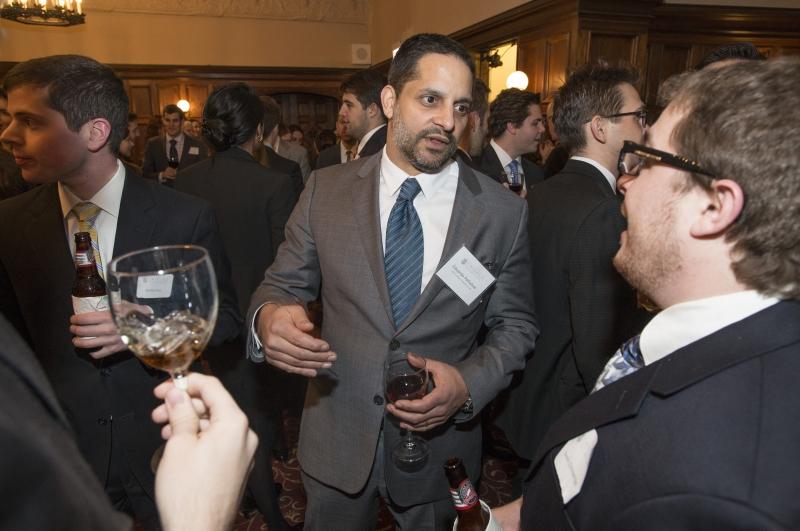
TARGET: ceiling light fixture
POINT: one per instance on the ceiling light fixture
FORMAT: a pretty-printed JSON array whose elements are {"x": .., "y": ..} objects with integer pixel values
[{"x": 43, "y": 12}]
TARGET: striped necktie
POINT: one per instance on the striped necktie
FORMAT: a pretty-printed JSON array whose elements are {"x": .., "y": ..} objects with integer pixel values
[
  {"x": 513, "y": 172},
  {"x": 626, "y": 360},
  {"x": 87, "y": 213},
  {"x": 404, "y": 252}
]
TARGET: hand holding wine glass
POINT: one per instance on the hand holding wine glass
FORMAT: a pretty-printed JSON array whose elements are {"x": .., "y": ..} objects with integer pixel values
[
  {"x": 405, "y": 381},
  {"x": 164, "y": 302}
]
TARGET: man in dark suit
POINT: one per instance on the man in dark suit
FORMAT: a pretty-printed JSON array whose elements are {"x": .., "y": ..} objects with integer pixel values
[
  {"x": 173, "y": 151},
  {"x": 472, "y": 141},
  {"x": 516, "y": 125},
  {"x": 693, "y": 425},
  {"x": 343, "y": 151},
  {"x": 106, "y": 393},
  {"x": 267, "y": 156},
  {"x": 374, "y": 310},
  {"x": 361, "y": 114},
  {"x": 43, "y": 466},
  {"x": 587, "y": 308}
]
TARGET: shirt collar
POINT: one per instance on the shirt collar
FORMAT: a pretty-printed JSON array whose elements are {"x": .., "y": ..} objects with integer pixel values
[
  {"x": 505, "y": 158},
  {"x": 686, "y": 322},
  {"x": 177, "y": 138},
  {"x": 108, "y": 198},
  {"x": 612, "y": 180},
  {"x": 366, "y": 137},
  {"x": 393, "y": 177}
]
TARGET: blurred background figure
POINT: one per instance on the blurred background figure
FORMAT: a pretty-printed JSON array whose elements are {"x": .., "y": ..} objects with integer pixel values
[{"x": 243, "y": 194}]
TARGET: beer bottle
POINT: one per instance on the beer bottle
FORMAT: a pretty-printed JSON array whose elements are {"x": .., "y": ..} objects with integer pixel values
[
  {"x": 89, "y": 290},
  {"x": 470, "y": 513}
]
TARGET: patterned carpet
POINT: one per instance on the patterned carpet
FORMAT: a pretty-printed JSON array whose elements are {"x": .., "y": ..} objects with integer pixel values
[{"x": 494, "y": 487}]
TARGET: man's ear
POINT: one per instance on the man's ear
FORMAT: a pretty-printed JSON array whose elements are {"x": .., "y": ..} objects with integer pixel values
[
  {"x": 388, "y": 99},
  {"x": 373, "y": 110},
  {"x": 511, "y": 128},
  {"x": 597, "y": 128},
  {"x": 723, "y": 205},
  {"x": 98, "y": 132}
]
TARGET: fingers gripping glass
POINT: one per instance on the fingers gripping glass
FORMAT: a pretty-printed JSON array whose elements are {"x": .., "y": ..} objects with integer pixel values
[
  {"x": 633, "y": 156},
  {"x": 641, "y": 114},
  {"x": 407, "y": 382}
]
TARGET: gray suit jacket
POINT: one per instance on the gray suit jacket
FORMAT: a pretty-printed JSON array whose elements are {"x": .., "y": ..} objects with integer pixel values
[{"x": 333, "y": 244}]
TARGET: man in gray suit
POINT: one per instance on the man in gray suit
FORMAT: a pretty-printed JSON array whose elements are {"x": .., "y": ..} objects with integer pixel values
[{"x": 463, "y": 223}]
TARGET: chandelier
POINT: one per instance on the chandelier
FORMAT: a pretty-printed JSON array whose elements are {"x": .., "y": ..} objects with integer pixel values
[{"x": 43, "y": 12}]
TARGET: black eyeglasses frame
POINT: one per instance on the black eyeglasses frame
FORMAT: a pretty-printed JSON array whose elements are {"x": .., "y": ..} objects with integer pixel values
[{"x": 645, "y": 152}]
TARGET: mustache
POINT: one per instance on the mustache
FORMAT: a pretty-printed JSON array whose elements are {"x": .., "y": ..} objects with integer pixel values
[{"x": 436, "y": 131}]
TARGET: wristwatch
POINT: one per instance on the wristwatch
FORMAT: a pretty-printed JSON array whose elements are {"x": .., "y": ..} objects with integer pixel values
[{"x": 468, "y": 407}]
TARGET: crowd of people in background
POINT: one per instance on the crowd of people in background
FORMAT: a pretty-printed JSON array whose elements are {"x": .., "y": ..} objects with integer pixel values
[{"x": 616, "y": 291}]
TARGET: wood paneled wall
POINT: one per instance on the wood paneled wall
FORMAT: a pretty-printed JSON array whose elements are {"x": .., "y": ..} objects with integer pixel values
[{"x": 555, "y": 36}]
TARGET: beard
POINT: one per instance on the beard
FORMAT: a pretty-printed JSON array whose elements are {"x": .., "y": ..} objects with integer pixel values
[
  {"x": 410, "y": 146},
  {"x": 650, "y": 255}
]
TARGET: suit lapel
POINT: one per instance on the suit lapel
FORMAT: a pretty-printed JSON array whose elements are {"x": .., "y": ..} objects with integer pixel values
[
  {"x": 366, "y": 211},
  {"x": 135, "y": 224},
  {"x": 464, "y": 222},
  {"x": 47, "y": 237}
]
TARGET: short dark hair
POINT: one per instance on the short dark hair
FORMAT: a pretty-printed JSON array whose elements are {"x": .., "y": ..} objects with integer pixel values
[
  {"x": 231, "y": 116},
  {"x": 744, "y": 51},
  {"x": 272, "y": 113},
  {"x": 171, "y": 108},
  {"x": 366, "y": 86},
  {"x": 404, "y": 65},
  {"x": 295, "y": 127},
  {"x": 510, "y": 106},
  {"x": 592, "y": 90},
  {"x": 740, "y": 123},
  {"x": 79, "y": 88},
  {"x": 3, "y": 93},
  {"x": 480, "y": 97}
]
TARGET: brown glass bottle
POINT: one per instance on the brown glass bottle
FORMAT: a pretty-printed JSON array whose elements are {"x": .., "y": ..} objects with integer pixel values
[
  {"x": 465, "y": 498},
  {"x": 89, "y": 290}
]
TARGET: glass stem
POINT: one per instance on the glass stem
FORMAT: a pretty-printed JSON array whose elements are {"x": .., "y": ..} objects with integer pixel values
[{"x": 179, "y": 379}]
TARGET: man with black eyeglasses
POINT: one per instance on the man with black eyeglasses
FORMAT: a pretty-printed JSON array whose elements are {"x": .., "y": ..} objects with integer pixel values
[
  {"x": 586, "y": 308},
  {"x": 693, "y": 424}
]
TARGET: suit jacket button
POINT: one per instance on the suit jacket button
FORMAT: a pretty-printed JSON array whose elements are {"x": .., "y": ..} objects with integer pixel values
[
  {"x": 378, "y": 399},
  {"x": 102, "y": 421},
  {"x": 105, "y": 372},
  {"x": 394, "y": 344}
]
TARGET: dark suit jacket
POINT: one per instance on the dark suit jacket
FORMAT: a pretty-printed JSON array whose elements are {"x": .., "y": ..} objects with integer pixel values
[
  {"x": 490, "y": 165},
  {"x": 375, "y": 143},
  {"x": 11, "y": 181},
  {"x": 269, "y": 158},
  {"x": 155, "y": 156},
  {"x": 463, "y": 156},
  {"x": 706, "y": 438},
  {"x": 251, "y": 203},
  {"x": 586, "y": 309},
  {"x": 46, "y": 483},
  {"x": 36, "y": 276},
  {"x": 329, "y": 156}
]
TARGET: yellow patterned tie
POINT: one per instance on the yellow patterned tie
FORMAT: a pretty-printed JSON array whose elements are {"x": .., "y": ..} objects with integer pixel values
[{"x": 87, "y": 213}]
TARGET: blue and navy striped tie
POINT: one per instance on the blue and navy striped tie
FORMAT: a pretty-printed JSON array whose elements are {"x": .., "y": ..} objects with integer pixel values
[{"x": 404, "y": 251}]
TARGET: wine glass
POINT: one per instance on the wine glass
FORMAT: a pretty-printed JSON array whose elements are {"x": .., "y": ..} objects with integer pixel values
[
  {"x": 164, "y": 303},
  {"x": 407, "y": 382}
]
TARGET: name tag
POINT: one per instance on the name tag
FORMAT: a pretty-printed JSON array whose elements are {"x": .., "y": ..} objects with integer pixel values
[
  {"x": 154, "y": 287},
  {"x": 194, "y": 150},
  {"x": 572, "y": 463},
  {"x": 465, "y": 275}
]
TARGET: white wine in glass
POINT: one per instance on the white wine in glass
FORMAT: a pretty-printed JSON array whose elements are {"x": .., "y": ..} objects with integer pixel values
[{"x": 164, "y": 302}]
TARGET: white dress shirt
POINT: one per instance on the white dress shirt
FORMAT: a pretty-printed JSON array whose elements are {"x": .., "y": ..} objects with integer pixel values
[
  {"x": 434, "y": 206},
  {"x": 108, "y": 198},
  {"x": 612, "y": 180},
  {"x": 684, "y": 323},
  {"x": 505, "y": 159},
  {"x": 365, "y": 139}
]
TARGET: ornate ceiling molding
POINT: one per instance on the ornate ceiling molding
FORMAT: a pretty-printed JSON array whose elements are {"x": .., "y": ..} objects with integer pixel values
[{"x": 344, "y": 11}]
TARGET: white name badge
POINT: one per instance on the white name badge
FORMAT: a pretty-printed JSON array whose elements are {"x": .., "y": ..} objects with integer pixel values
[
  {"x": 154, "y": 287},
  {"x": 466, "y": 276},
  {"x": 194, "y": 150},
  {"x": 572, "y": 463}
]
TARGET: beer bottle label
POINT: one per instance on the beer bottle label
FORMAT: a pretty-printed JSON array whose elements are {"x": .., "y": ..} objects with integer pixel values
[
  {"x": 465, "y": 497},
  {"x": 89, "y": 304},
  {"x": 83, "y": 258}
]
